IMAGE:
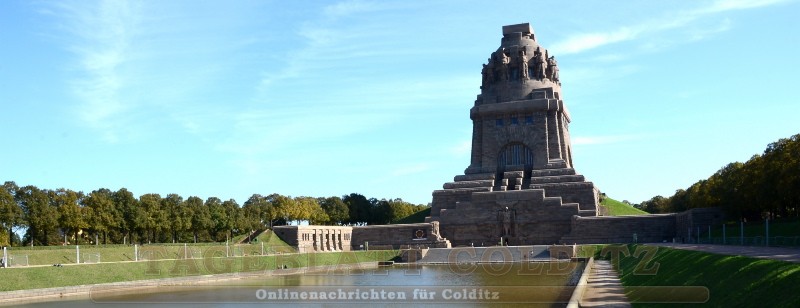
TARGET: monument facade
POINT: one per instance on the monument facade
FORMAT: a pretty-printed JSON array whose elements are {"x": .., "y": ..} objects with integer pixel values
[{"x": 520, "y": 186}]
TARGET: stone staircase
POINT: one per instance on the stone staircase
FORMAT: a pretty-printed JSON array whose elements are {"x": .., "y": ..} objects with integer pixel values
[{"x": 486, "y": 254}]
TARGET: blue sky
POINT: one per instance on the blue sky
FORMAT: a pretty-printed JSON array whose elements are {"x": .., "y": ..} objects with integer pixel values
[{"x": 227, "y": 99}]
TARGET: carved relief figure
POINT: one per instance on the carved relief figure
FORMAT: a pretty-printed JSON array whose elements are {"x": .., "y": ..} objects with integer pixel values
[
  {"x": 503, "y": 61},
  {"x": 488, "y": 72},
  {"x": 523, "y": 65},
  {"x": 487, "y": 75},
  {"x": 540, "y": 66},
  {"x": 552, "y": 69},
  {"x": 507, "y": 220}
]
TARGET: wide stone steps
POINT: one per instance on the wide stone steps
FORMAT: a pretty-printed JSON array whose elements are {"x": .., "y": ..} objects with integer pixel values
[
  {"x": 485, "y": 254},
  {"x": 552, "y": 172},
  {"x": 468, "y": 184},
  {"x": 557, "y": 179}
]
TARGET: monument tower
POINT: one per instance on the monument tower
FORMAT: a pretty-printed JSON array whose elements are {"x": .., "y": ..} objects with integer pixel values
[{"x": 520, "y": 186}]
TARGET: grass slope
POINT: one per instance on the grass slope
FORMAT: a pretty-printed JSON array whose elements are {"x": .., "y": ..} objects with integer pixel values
[
  {"x": 616, "y": 208},
  {"x": 415, "y": 218},
  {"x": 732, "y": 280},
  {"x": 71, "y": 275},
  {"x": 47, "y": 255}
]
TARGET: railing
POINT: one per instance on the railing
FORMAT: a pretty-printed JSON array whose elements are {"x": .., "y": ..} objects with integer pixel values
[{"x": 757, "y": 233}]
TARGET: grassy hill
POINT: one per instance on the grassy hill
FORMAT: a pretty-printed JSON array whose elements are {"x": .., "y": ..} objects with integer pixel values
[
  {"x": 731, "y": 280},
  {"x": 616, "y": 208},
  {"x": 415, "y": 218}
]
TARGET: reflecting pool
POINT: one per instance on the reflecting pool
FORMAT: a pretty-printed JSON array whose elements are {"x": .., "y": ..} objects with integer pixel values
[{"x": 541, "y": 284}]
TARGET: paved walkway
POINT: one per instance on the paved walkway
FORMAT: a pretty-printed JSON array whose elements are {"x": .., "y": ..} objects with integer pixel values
[
  {"x": 775, "y": 253},
  {"x": 604, "y": 288}
]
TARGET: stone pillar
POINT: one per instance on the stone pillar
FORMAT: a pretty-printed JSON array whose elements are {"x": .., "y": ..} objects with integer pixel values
[
  {"x": 562, "y": 137},
  {"x": 477, "y": 145},
  {"x": 315, "y": 238},
  {"x": 553, "y": 137},
  {"x": 327, "y": 240}
]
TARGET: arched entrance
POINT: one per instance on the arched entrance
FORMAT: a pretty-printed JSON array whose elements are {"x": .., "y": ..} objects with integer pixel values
[
  {"x": 514, "y": 154},
  {"x": 514, "y": 157}
]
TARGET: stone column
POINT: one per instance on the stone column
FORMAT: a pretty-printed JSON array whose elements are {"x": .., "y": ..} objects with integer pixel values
[
  {"x": 318, "y": 242},
  {"x": 477, "y": 145},
  {"x": 553, "y": 136},
  {"x": 327, "y": 240}
]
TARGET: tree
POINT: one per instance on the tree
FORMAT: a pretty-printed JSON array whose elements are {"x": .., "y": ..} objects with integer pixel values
[
  {"x": 155, "y": 217},
  {"x": 41, "y": 217},
  {"x": 234, "y": 214},
  {"x": 10, "y": 214},
  {"x": 201, "y": 216},
  {"x": 336, "y": 210},
  {"x": 251, "y": 213},
  {"x": 308, "y": 209},
  {"x": 359, "y": 208},
  {"x": 280, "y": 210},
  {"x": 133, "y": 216},
  {"x": 180, "y": 216},
  {"x": 220, "y": 221},
  {"x": 71, "y": 217},
  {"x": 102, "y": 214}
]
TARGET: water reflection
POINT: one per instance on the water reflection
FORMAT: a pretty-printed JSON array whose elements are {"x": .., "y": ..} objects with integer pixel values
[{"x": 527, "y": 284}]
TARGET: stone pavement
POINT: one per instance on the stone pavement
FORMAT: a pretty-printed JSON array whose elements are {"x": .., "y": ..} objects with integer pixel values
[
  {"x": 775, "y": 253},
  {"x": 604, "y": 288}
]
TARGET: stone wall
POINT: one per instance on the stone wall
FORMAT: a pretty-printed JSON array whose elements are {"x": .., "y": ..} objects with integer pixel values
[
  {"x": 399, "y": 236},
  {"x": 621, "y": 229},
  {"x": 346, "y": 238},
  {"x": 690, "y": 222},
  {"x": 316, "y": 238},
  {"x": 533, "y": 219}
]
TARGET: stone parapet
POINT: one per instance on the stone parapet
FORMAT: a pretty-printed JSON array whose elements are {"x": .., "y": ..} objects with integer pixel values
[
  {"x": 474, "y": 177},
  {"x": 455, "y": 191},
  {"x": 399, "y": 236},
  {"x": 621, "y": 229},
  {"x": 552, "y": 172},
  {"x": 557, "y": 179},
  {"x": 469, "y": 184},
  {"x": 316, "y": 238}
]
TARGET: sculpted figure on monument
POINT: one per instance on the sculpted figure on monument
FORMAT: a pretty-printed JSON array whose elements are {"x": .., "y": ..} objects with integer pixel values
[
  {"x": 507, "y": 220},
  {"x": 503, "y": 61},
  {"x": 540, "y": 66},
  {"x": 487, "y": 75},
  {"x": 523, "y": 65},
  {"x": 552, "y": 69},
  {"x": 488, "y": 72}
]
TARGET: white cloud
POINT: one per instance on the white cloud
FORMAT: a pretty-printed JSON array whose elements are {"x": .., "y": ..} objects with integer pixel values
[
  {"x": 730, "y": 5},
  {"x": 586, "y": 41},
  {"x": 346, "y": 8},
  {"x": 104, "y": 34}
]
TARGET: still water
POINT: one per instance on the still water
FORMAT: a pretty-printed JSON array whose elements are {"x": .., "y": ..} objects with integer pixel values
[{"x": 524, "y": 284}]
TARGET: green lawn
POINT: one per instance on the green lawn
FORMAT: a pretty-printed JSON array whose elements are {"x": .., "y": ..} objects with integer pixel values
[
  {"x": 47, "y": 255},
  {"x": 616, "y": 208},
  {"x": 415, "y": 218},
  {"x": 731, "y": 280},
  {"x": 70, "y": 275}
]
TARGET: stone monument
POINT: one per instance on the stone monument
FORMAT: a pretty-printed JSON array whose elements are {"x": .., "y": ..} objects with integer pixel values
[{"x": 520, "y": 186}]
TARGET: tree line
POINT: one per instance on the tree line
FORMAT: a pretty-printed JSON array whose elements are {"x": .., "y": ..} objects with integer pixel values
[
  {"x": 766, "y": 186},
  {"x": 64, "y": 216}
]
